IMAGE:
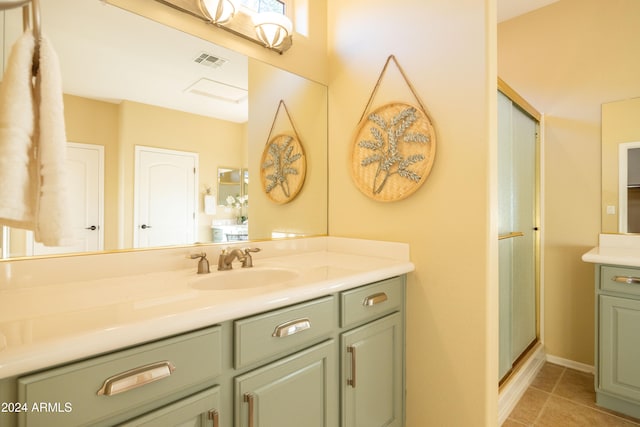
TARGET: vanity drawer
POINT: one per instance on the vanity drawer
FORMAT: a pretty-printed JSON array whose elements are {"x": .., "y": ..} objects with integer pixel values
[
  {"x": 283, "y": 331},
  {"x": 94, "y": 390},
  {"x": 620, "y": 279},
  {"x": 371, "y": 301}
]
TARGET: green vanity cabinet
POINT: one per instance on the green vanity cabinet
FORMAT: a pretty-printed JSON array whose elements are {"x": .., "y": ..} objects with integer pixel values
[
  {"x": 617, "y": 379},
  {"x": 332, "y": 361}
]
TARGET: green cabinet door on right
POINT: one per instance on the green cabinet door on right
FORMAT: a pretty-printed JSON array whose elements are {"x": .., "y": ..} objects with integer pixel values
[
  {"x": 619, "y": 369},
  {"x": 297, "y": 391},
  {"x": 372, "y": 374}
]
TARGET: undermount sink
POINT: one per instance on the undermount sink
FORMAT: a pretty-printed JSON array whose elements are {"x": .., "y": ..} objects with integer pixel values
[{"x": 243, "y": 279}]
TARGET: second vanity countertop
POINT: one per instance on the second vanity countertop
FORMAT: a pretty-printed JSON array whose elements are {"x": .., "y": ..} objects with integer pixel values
[
  {"x": 615, "y": 249},
  {"x": 41, "y": 326}
]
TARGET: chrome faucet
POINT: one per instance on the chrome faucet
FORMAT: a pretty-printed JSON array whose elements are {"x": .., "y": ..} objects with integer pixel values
[
  {"x": 227, "y": 256},
  {"x": 203, "y": 264}
]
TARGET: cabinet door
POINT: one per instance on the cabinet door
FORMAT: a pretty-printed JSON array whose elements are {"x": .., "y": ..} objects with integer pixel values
[
  {"x": 300, "y": 390},
  {"x": 373, "y": 374},
  {"x": 198, "y": 410},
  {"x": 619, "y": 370}
]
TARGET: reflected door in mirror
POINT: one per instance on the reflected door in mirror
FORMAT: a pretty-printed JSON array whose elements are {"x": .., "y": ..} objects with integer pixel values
[
  {"x": 165, "y": 197},
  {"x": 85, "y": 173}
]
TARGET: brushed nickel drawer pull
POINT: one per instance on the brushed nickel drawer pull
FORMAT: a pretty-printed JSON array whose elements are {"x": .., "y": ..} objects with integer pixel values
[
  {"x": 291, "y": 327},
  {"x": 630, "y": 280},
  {"x": 136, "y": 377},
  {"x": 374, "y": 299},
  {"x": 352, "y": 381},
  {"x": 213, "y": 416},
  {"x": 248, "y": 398}
]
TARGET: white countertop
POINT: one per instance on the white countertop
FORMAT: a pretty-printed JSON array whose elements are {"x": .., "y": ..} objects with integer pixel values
[
  {"x": 615, "y": 249},
  {"x": 48, "y": 324}
]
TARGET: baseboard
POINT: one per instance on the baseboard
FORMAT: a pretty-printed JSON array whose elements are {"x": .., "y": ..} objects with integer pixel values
[
  {"x": 511, "y": 392},
  {"x": 570, "y": 364}
]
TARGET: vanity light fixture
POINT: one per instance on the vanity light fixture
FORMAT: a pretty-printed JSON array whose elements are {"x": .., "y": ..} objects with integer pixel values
[
  {"x": 272, "y": 28},
  {"x": 219, "y": 11}
]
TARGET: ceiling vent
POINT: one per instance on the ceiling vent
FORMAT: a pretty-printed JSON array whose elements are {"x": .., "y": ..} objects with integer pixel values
[
  {"x": 209, "y": 60},
  {"x": 218, "y": 90}
]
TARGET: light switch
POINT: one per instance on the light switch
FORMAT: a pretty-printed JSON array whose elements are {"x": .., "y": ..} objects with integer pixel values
[{"x": 611, "y": 210}]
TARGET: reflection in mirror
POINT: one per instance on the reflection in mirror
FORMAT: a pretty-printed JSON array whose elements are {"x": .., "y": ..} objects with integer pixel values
[
  {"x": 132, "y": 84},
  {"x": 620, "y": 136},
  {"x": 629, "y": 187},
  {"x": 232, "y": 223}
]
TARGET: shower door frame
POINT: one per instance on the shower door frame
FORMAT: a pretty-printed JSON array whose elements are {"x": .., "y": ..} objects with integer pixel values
[{"x": 525, "y": 107}]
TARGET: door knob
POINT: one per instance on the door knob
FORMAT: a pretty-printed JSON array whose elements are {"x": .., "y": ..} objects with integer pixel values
[
  {"x": 92, "y": 228},
  {"x": 145, "y": 226}
]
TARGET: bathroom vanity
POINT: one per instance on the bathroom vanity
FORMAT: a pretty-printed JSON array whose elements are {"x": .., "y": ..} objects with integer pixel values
[
  {"x": 617, "y": 352},
  {"x": 322, "y": 345}
]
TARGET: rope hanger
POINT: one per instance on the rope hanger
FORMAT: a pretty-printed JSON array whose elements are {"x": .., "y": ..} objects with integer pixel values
[
  {"x": 273, "y": 125},
  {"x": 379, "y": 82}
]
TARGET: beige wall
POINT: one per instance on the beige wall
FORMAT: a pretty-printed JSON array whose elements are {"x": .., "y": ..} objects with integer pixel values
[
  {"x": 567, "y": 59},
  {"x": 446, "y": 49}
]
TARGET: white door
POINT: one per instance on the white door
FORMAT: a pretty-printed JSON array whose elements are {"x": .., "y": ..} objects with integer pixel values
[
  {"x": 85, "y": 173},
  {"x": 164, "y": 197}
]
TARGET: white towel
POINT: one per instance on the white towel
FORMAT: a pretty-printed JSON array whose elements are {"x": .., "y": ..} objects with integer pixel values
[
  {"x": 53, "y": 220},
  {"x": 33, "y": 187},
  {"x": 18, "y": 190}
]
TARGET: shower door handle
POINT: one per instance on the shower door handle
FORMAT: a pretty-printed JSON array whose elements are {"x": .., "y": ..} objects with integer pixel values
[{"x": 511, "y": 235}]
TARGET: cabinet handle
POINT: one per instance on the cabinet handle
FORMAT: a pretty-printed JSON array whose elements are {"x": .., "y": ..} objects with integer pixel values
[
  {"x": 291, "y": 327},
  {"x": 374, "y": 299},
  {"x": 630, "y": 280},
  {"x": 213, "y": 416},
  {"x": 248, "y": 398},
  {"x": 352, "y": 381},
  {"x": 136, "y": 377}
]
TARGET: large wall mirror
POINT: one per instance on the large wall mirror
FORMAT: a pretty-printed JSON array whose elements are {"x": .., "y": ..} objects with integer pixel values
[
  {"x": 152, "y": 114},
  {"x": 621, "y": 166}
]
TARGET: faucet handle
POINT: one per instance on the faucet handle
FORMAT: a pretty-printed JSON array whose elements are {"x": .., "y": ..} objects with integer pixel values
[
  {"x": 200, "y": 255},
  {"x": 248, "y": 261}
]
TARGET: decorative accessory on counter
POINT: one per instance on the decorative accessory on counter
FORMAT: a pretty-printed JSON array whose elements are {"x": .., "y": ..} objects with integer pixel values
[
  {"x": 283, "y": 164},
  {"x": 394, "y": 147}
]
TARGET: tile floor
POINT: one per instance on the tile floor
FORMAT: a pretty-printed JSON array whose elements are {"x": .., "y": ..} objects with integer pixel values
[{"x": 563, "y": 397}]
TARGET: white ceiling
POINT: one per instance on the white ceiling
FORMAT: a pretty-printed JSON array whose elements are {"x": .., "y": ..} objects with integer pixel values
[
  {"x": 508, "y": 9},
  {"x": 111, "y": 54}
]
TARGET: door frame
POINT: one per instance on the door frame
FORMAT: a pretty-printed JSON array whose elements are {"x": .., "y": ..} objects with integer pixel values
[{"x": 531, "y": 111}]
